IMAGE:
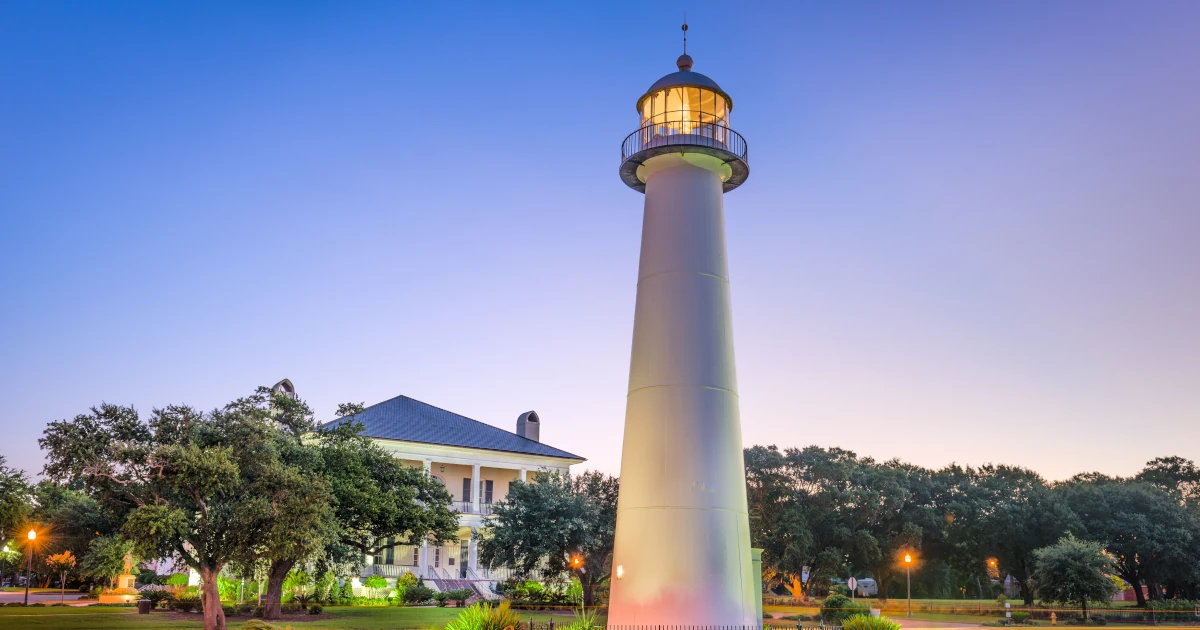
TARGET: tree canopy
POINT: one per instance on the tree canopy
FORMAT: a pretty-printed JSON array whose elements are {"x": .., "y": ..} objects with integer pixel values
[
  {"x": 195, "y": 486},
  {"x": 1073, "y": 571},
  {"x": 566, "y": 522},
  {"x": 823, "y": 513}
]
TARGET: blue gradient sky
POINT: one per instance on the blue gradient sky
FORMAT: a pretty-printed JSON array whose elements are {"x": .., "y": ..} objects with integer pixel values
[{"x": 971, "y": 231}]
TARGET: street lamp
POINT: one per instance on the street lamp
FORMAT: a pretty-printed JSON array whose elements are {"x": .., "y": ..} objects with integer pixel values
[
  {"x": 908, "y": 579},
  {"x": 3, "y": 563},
  {"x": 29, "y": 566}
]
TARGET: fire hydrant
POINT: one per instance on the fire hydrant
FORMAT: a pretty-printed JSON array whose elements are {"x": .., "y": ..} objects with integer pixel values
[{"x": 1053, "y": 619}]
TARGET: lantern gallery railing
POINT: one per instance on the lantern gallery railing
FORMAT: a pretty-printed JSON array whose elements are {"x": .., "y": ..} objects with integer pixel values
[{"x": 684, "y": 132}]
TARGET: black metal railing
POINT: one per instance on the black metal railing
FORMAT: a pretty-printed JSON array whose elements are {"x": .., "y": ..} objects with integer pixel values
[
  {"x": 682, "y": 132},
  {"x": 468, "y": 507}
]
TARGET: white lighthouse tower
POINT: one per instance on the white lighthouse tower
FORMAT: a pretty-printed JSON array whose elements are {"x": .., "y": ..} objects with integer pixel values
[{"x": 682, "y": 554}]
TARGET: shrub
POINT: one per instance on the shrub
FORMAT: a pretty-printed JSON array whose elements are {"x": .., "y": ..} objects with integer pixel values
[
  {"x": 585, "y": 620},
  {"x": 867, "y": 622},
  {"x": 837, "y": 608},
  {"x": 460, "y": 596},
  {"x": 177, "y": 579},
  {"x": 374, "y": 583},
  {"x": 417, "y": 594},
  {"x": 407, "y": 580},
  {"x": 156, "y": 596},
  {"x": 186, "y": 603},
  {"x": 473, "y": 618},
  {"x": 315, "y": 609},
  {"x": 228, "y": 609},
  {"x": 347, "y": 589},
  {"x": 441, "y": 597},
  {"x": 1020, "y": 617},
  {"x": 257, "y": 612},
  {"x": 483, "y": 617}
]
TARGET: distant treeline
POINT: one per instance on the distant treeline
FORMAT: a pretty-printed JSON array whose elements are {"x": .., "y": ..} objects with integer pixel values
[{"x": 839, "y": 515}]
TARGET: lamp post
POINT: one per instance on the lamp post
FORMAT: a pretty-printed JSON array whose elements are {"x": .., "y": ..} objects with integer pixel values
[
  {"x": 29, "y": 566},
  {"x": 3, "y": 562},
  {"x": 908, "y": 579}
]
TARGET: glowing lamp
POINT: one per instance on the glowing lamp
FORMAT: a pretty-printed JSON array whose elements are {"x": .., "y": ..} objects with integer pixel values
[
  {"x": 620, "y": 571},
  {"x": 32, "y": 535},
  {"x": 907, "y": 558}
]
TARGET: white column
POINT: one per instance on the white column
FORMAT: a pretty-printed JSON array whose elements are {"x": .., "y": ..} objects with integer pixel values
[
  {"x": 473, "y": 554},
  {"x": 475, "y": 489},
  {"x": 423, "y": 560},
  {"x": 428, "y": 465},
  {"x": 523, "y": 472},
  {"x": 682, "y": 539}
]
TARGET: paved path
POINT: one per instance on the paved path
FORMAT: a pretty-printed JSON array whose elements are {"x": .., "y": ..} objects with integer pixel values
[{"x": 72, "y": 598}]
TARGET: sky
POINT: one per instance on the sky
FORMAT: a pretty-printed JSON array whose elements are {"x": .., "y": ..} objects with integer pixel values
[{"x": 971, "y": 231}]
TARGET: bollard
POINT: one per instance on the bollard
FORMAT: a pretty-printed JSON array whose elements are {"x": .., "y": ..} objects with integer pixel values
[{"x": 1053, "y": 619}]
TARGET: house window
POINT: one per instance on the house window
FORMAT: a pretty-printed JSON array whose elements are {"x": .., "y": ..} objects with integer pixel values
[
  {"x": 437, "y": 556},
  {"x": 389, "y": 555},
  {"x": 416, "y": 555},
  {"x": 487, "y": 491},
  {"x": 450, "y": 561},
  {"x": 466, "y": 490}
]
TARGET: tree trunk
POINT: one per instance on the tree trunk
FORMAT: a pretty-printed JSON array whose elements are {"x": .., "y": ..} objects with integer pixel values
[
  {"x": 210, "y": 598},
  {"x": 1084, "y": 602},
  {"x": 794, "y": 587},
  {"x": 1136, "y": 583},
  {"x": 275, "y": 577},
  {"x": 589, "y": 589}
]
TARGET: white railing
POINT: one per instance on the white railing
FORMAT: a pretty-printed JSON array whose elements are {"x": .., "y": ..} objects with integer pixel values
[
  {"x": 502, "y": 573},
  {"x": 386, "y": 570}
]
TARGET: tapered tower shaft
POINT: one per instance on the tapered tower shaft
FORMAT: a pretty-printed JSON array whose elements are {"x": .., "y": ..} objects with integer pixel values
[{"x": 683, "y": 543}]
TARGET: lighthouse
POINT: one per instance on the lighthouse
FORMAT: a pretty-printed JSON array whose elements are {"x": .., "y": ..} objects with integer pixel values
[{"x": 682, "y": 552}]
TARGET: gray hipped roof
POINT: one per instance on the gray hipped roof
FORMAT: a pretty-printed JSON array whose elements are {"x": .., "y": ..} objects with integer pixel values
[{"x": 403, "y": 418}]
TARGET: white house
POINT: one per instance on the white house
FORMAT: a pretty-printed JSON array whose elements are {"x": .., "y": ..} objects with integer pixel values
[{"x": 476, "y": 461}]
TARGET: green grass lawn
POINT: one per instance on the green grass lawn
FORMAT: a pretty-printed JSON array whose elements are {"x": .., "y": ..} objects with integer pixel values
[{"x": 345, "y": 618}]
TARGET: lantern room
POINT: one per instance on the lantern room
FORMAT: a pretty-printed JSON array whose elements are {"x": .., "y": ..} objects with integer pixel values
[
  {"x": 687, "y": 113},
  {"x": 685, "y": 100}
]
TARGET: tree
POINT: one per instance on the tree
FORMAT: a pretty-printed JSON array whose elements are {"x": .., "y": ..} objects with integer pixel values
[
  {"x": 300, "y": 498},
  {"x": 892, "y": 515},
  {"x": 71, "y": 519},
  {"x": 800, "y": 502},
  {"x": 15, "y": 506},
  {"x": 1152, "y": 535},
  {"x": 1073, "y": 571},
  {"x": 195, "y": 486},
  {"x": 105, "y": 558},
  {"x": 568, "y": 522},
  {"x": 15, "y": 499},
  {"x": 377, "y": 498},
  {"x": 1176, "y": 476},
  {"x": 1007, "y": 512},
  {"x": 61, "y": 564}
]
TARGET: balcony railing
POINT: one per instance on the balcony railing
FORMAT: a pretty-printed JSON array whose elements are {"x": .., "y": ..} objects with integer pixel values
[
  {"x": 386, "y": 570},
  {"x": 466, "y": 507},
  {"x": 710, "y": 135},
  {"x": 501, "y": 573}
]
